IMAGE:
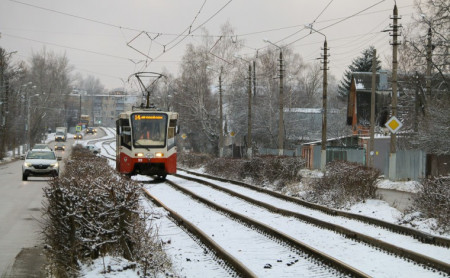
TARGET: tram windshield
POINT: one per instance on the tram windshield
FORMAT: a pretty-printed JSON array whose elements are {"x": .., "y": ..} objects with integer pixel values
[{"x": 149, "y": 129}]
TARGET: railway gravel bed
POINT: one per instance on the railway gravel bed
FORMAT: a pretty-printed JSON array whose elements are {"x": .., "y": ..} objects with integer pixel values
[
  {"x": 374, "y": 262},
  {"x": 262, "y": 254}
]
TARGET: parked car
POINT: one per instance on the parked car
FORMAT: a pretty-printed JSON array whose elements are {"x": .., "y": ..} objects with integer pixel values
[
  {"x": 93, "y": 149},
  {"x": 90, "y": 130},
  {"x": 41, "y": 147},
  {"x": 60, "y": 147},
  {"x": 78, "y": 136},
  {"x": 40, "y": 163}
]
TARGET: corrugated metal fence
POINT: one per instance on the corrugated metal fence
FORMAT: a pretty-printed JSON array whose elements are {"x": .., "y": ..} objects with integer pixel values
[{"x": 411, "y": 164}]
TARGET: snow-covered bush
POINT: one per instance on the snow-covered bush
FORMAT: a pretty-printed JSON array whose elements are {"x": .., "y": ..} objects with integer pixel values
[
  {"x": 192, "y": 160},
  {"x": 90, "y": 212},
  {"x": 345, "y": 183},
  {"x": 433, "y": 201},
  {"x": 260, "y": 170}
]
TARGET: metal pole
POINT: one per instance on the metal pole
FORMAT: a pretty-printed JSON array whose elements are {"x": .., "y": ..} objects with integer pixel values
[{"x": 372, "y": 109}]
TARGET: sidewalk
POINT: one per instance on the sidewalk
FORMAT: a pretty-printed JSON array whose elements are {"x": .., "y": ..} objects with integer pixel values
[{"x": 29, "y": 263}]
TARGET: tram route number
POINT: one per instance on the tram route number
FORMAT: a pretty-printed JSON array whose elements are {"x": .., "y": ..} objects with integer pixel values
[{"x": 147, "y": 117}]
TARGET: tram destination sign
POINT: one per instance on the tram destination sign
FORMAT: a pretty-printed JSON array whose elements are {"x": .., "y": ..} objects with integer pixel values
[{"x": 138, "y": 117}]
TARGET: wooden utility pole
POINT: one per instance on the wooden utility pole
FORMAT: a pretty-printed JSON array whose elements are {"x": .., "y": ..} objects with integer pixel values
[
  {"x": 393, "y": 151},
  {"x": 372, "y": 109}
]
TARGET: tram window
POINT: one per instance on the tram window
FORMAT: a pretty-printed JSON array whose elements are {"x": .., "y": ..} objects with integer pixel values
[
  {"x": 171, "y": 133},
  {"x": 126, "y": 136}
]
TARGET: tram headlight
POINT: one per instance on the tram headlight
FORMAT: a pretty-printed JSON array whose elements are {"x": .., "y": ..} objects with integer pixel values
[
  {"x": 159, "y": 154},
  {"x": 139, "y": 154}
]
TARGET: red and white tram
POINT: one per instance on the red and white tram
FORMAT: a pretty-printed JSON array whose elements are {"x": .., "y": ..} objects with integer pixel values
[{"x": 145, "y": 142}]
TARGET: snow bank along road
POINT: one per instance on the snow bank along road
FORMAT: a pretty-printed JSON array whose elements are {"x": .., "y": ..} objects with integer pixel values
[{"x": 374, "y": 250}]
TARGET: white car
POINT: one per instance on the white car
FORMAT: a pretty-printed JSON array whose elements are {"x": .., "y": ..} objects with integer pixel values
[
  {"x": 93, "y": 149},
  {"x": 40, "y": 163}
]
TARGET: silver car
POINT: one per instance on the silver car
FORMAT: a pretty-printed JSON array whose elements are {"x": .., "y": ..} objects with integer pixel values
[{"x": 40, "y": 163}]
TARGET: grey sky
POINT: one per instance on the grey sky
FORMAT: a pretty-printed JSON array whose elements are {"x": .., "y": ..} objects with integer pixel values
[{"x": 88, "y": 30}]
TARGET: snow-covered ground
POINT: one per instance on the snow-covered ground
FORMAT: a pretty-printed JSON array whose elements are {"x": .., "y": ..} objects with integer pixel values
[{"x": 373, "y": 208}]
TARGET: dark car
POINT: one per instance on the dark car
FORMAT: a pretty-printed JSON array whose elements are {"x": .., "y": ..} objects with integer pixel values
[
  {"x": 78, "y": 136},
  {"x": 90, "y": 130},
  {"x": 60, "y": 147}
]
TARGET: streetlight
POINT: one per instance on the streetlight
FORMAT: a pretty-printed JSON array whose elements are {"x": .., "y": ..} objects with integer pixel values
[
  {"x": 281, "y": 122},
  {"x": 323, "y": 156},
  {"x": 249, "y": 129},
  {"x": 221, "y": 110}
]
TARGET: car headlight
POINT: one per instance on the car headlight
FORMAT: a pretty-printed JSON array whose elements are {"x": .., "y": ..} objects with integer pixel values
[
  {"x": 27, "y": 164},
  {"x": 54, "y": 165}
]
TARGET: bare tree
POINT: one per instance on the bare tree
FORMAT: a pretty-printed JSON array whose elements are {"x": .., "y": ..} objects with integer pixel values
[{"x": 50, "y": 76}]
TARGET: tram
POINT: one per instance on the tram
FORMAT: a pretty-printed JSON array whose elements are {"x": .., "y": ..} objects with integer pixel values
[{"x": 145, "y": 141}]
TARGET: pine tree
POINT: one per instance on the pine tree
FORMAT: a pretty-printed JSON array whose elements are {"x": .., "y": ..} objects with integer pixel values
[{"x": 362, "y": 63}]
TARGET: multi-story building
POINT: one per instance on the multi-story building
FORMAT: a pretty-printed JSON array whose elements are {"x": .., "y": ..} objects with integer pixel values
[{"x": 102, "y": 109}]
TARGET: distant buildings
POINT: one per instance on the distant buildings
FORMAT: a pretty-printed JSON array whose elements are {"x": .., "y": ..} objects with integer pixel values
[{"x": 102, "y": 109}]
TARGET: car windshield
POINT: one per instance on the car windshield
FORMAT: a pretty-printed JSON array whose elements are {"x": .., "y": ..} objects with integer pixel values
[
  {"x": 41, "y": 155},
  {"x": 40, "y": 146}
]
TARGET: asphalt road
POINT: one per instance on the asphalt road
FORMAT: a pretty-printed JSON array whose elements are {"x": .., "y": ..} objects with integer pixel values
[{"x": 21, "y": 244}]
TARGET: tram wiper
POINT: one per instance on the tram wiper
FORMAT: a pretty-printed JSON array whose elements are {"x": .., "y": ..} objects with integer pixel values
[{"x": 139, "y": 144}]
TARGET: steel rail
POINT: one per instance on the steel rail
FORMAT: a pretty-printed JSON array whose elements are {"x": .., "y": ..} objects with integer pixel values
[
  {"x": 419, "y": 235},
  {"x": 402, "y": 252},
  {"x": 238, "y": 266},
  {"x": 319, "y": 255}
]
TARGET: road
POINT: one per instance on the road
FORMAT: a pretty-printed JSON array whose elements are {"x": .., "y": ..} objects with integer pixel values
[{"x": 20, "y": 216}]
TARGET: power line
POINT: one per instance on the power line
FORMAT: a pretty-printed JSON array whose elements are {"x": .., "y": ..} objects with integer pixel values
[
  {"x": 68, "y": 47},
  {"x": 321, "y": 13},
  {"x": 211, "y": 17},
  {"x": 76, "y": 16}
]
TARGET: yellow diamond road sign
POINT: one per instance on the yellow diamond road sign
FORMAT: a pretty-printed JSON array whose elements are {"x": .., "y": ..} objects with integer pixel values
[{"x": 394, "y": 124}]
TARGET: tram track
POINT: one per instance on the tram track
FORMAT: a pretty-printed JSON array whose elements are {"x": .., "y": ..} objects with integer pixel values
[
  {"x": 419, "y": 235},
  {"x": 377, "y": 244},
  {"x": 308, "y": 258},
  {"x": 435, "y": 265}
]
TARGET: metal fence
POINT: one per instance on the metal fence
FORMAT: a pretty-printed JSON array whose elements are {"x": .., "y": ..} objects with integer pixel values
[{"x": 410, "y": 164}]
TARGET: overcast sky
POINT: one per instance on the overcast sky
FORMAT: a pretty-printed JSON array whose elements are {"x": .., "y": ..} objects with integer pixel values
[{"x": 94, "y": 33}]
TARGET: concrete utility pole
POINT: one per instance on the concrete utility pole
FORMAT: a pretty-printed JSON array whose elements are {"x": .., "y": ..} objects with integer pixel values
[
  {"x": 249, "y": 121},
  {"x": 429, "y": 62},
  {"x": 281, "y": 121},
  {"x": 323, "y": 154},
  {"x": 372, "y": 109},
  {"x": 221, "y": 115},
  {"x": 393, "y": 151}
]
